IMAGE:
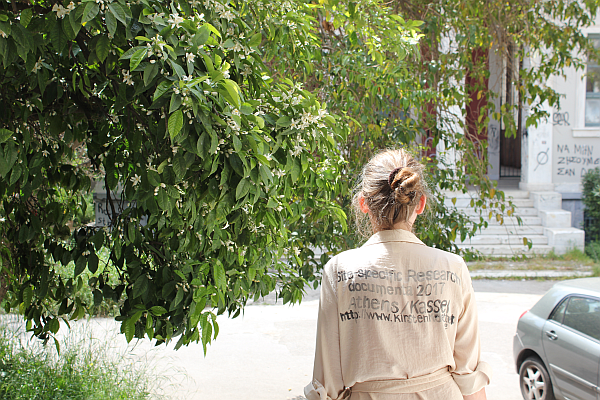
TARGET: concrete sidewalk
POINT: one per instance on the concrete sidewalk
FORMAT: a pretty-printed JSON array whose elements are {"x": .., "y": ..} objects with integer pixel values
[{"x": 267, "y": 354}]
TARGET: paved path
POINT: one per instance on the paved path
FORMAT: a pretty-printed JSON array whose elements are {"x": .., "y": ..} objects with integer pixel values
[{"x": 267, "y": 354}]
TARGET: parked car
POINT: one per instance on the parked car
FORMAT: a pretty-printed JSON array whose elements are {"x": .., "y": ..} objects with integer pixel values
[{"x": 557, "y": 344}]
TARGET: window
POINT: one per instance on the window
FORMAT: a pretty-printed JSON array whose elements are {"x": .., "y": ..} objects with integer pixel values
[
  {"x": 559, "y": 312},
  {"x": 592, "y": 90},
  {"x": 583, "y": 315}
]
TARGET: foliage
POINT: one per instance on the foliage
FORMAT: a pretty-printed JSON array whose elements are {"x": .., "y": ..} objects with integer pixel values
[
  {"x": 84, "y": 370},
  {"x": 592, "y": 249},
  {"x": 401, "y": 97},
  {"x": 591, "y": 201},
  {"x": 230, "y": 173},
  {"x": 224, "y": 172}
]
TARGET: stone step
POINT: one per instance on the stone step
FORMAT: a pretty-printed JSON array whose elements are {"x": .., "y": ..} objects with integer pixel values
[
  {"x": 513, "y": 194},
  {"x": 529, "y": 211},
  {"x": 466, "y": 203},
  {"x": 508, "y": 250},
  {"x": 512, "y": 221},
  {"x": 512, "y": 230},
  {"x": 505, "y": 239}
]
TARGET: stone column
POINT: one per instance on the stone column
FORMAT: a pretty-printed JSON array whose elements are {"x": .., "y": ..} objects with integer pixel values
[
  {"x": 536, "y": 150},
  {"x": 493, "y": 134}
]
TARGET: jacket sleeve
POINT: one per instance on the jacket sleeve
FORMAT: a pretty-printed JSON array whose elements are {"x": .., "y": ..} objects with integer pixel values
[
  {"x": 470, "y": 374},
  {"x": 327, "y": 380}
]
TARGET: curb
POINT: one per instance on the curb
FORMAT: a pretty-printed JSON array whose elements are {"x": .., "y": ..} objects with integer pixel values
[{"x": 527, "y": 274}]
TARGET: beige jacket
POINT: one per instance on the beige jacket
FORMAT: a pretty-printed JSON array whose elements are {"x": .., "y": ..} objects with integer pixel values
[{"x": 397, "y": 317}]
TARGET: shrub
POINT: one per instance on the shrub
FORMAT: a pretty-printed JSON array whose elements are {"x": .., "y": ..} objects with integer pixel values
[{"x": 591, "y": 200}]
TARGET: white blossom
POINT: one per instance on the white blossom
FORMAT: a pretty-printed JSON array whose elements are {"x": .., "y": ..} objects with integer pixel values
[
  {"x": 38, "y": 65},
  {"x": 175, "y": 20},
  {"x": 233, "y": 125},
  {"x": 237, "y": 47},
  {"x": 190, "y": 57},
  {"x": 228, "y": 15},
  {"x": 136, "y": 179},
  {"x": 127, "y": 77},
  {"x": 62, "y": 11}
]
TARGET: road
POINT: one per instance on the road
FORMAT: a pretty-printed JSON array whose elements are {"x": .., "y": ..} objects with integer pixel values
[{"x": 267, "y": 354}]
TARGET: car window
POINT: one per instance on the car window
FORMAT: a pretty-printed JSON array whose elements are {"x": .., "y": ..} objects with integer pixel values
[
  {"x": 559, "y": 312},
  {"x": 583, "y": 314}
]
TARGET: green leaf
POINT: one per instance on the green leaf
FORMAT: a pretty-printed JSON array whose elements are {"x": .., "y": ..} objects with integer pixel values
[
  {"x": 111, "y": 23},
  {"x": 26, "y": 16},
  {"x": 5, "y": 134},
  {"x": 242, "y": 188},
  {"x": 175, "y": 102},
  {"x": 90, "y": 11},
  {"x": 68, "y": 28},
  {"x": 154, "y": 178},
  {"x": 137, "y": 58},
  {"x": 201, "y": 36},
  {"x": 15, "y": 175},
  {"x": 149, "y": 73},
  {"x": 266, "y": 174},
  {"x": 163, "y": 200},
  {"x": 79, "y": 266},
  {"x": 179, "y": 71},
  {"x": 284, "y": 121},
  {"x": 175, "y": 124},
  {"x": 212, "y": 29},
  {"x": 58, "y": 38},
  {"x": 140, "y": 286},
  {"x": 255, "y": 40},
  {"x": 158, "y": 310},
  {"x": 161, "y": 89},
  {"x": 75, "y": 21},
  {"x": 233, "y": 90},
  {"x": 27, "y": 296},
  {"x": 131, "y": 231},
  {"x": 237, "y": 144},
  {"x": 102, "y": 48},
  {"x": 296, "y": 170},
  {"x": 129, "y": 53},
  {"x": 93, "y": 263},
  {"x": 219, "y": 275},
  {"x": 23, "y": 37},
  {"x": 129, "y": 328},
  {"x": 179, "y": 166},
  {"x": 118, "y": 12},
  {"x": 53, "y": 325}
]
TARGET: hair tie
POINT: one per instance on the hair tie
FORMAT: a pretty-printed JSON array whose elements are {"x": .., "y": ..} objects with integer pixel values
[{"x": 393, "y": 175}]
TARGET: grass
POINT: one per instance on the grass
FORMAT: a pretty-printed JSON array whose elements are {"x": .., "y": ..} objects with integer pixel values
[
  {"x": 573, "y": 260},
  {"x": 85, "y": 369}
]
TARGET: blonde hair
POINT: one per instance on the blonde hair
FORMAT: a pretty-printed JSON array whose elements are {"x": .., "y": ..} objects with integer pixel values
[{"x": 391, "y": 184}]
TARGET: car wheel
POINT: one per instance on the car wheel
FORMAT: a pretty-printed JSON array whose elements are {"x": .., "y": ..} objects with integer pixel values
[{"x": 535, "y": 381}]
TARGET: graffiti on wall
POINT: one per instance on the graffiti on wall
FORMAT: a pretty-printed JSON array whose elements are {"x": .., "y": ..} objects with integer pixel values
[
  {"x": 574, "y": 160},
  {"x": 561, "y": 118}
]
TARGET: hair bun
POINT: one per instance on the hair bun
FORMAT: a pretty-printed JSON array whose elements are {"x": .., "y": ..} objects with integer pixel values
[{"x": 404, "y": 185}]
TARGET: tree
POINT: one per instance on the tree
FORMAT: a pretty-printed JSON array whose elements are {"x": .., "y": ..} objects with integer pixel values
[
  {"x": 422, "y": 97},
  {"x": 215, "y": 162}
]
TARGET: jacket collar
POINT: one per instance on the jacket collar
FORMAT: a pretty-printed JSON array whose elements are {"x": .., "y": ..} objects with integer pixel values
[{"x": 394, "y": 235}]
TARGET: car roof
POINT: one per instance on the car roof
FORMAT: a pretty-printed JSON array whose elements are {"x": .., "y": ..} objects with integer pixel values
[{"x": 583, "y": 286}]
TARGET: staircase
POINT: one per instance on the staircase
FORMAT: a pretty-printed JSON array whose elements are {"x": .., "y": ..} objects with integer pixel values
[{"x": 544, "y": 223}]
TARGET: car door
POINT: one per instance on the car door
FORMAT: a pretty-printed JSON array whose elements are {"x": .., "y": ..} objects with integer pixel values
[{"x": 571, "y": 341}]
